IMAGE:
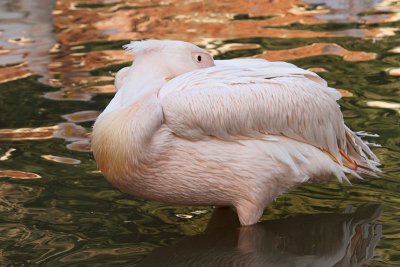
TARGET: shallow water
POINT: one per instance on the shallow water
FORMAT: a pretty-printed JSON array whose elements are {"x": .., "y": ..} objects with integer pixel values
[{"x": 57, "y": 61}]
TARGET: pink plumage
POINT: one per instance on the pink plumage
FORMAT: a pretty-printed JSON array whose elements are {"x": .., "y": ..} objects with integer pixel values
[{"x": 185, "y": 129}]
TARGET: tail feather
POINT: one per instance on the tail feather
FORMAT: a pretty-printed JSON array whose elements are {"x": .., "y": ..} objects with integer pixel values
[{"x": 359, "y": 156}]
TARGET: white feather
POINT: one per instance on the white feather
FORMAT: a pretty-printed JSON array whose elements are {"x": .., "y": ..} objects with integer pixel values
[
  {"x": 239, "y": 99},
  {"x": 239, "y": 133}
]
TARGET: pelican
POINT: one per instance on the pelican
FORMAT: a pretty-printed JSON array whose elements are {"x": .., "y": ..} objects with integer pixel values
[{"x": 183, "y": 128}]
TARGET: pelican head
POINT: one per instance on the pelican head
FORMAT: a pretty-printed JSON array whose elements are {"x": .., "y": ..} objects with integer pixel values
[
  {"x": 155, "y": 63},
  {"x": 168, "y": 58}
]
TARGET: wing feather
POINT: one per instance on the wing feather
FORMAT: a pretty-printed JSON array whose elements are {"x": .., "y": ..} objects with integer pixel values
[{"x": 249, "y": 98}]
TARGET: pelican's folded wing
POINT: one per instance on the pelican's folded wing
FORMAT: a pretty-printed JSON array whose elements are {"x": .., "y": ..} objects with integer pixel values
[{"x": 243, "y": 98}]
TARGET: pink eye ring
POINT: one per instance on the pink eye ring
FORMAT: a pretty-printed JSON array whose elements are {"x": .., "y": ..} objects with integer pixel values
[{"x": 202, "y": 60}]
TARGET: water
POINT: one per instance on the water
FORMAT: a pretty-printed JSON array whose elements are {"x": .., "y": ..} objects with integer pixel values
[{"x": 57, "y": 64}]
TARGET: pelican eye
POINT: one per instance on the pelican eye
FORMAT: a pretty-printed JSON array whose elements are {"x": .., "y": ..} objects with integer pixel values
[{"x": 202, "y": 60}]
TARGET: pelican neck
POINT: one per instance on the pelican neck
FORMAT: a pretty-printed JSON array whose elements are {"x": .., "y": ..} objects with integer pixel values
[{"x": 135, "y": 89}]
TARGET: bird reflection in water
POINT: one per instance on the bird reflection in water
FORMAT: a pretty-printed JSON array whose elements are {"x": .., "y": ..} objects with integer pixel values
[{"x": 336, "y": 239}]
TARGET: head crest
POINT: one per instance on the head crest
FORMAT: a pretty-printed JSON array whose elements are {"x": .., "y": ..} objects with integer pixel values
[
  {"x": 144, "y": 46},
  {"x": 151, "y": 45}
]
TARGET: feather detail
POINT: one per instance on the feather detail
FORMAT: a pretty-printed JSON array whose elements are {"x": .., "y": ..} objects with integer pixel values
[
  {"x": 228, "y": 101},
  {"x": 243, "y": 98}
]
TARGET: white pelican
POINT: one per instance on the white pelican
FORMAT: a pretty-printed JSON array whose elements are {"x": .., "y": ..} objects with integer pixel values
[{"x": 185, "y": 129}]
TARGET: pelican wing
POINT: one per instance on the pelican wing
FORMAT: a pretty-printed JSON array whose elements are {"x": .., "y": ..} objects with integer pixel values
[{"x": 250, "y": 98}]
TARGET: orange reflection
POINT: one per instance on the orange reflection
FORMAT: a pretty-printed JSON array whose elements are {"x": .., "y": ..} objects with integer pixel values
[
  {"x": 344, "y": 92},
  {"x": 82, "y": 116},
  {"x": 67, "y": 131},
  {"x": 317, "y": 49},
  {"x": 81, "y": 22},
  {"x": 87, "y": 61},
  {"x": 69, "y": 94},
  {"x": 317, "y": 69},
  {"x": 71, "y": 132},
  {"x": 236, "y": 46},
  {"x": 4, "y": 51},
  {"x": 14, "y": 72},
  {"x": 58, "y": 159},
  {"x": 196, "y": 20},
  {"x": 102, "y": 89},
  {"x": 80, "y": 146},
  {"x": 84, "y": 80},
  {"x": 19, "y": 174},
  {"x": 27, "y": 133}
]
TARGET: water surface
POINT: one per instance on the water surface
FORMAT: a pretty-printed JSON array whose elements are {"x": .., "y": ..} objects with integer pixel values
[{"x": 57, "y": 63}]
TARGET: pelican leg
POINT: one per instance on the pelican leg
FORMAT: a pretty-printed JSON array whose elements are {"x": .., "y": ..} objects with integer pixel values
[{"x": 249, "y": 213}]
